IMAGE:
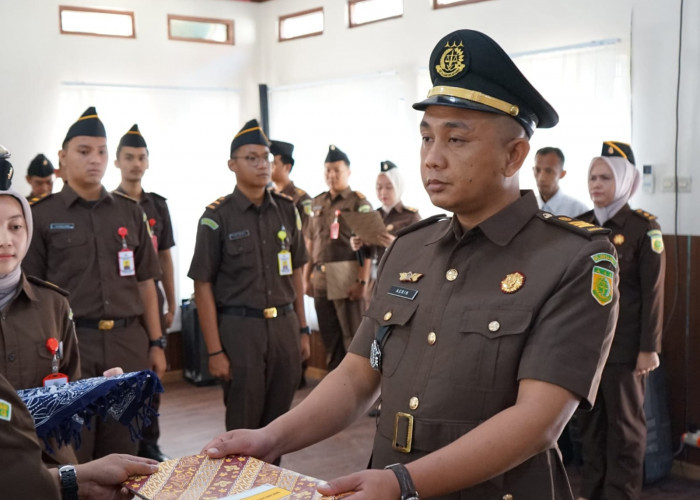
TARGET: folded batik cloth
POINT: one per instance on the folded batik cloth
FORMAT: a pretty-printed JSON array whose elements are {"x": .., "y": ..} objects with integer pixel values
[{"x": 60, "y": 412}]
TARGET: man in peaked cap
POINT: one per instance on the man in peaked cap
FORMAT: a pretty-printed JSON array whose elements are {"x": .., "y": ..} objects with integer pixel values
[
  {"x": 40, "y": 176},
  {"x": 486, "y": 330},
  {"x": 97, "y": 245},
  {"x": 339, "y": 309},
  {"x": 282, "y": 165},
  {"x": 247, "y": 271},
  {"x": 132, "y": 161}
]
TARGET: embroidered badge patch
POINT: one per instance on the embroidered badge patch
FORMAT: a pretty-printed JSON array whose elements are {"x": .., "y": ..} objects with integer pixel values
[
  {"x": 657, "y": 241},
  {"x": 604, "y": 257},
  {"x": 308, "y": 209},
  {"x": 363, "y": 209},
  {"x": 602, "y": 285},
  {"x": 298, "y": 218},
  {"x": 619, "y": 239},
  {"x": 512, "y": 282},
  {"x": 410, "y": 277},
  {"x": 211, "y": 224},
  {"x": 451, "y": 60},
  {"x": 5, "y": 410}
]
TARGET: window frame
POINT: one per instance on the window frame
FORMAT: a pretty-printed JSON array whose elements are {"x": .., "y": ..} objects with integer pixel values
[
  {"x": 229, "y": 23},
  {"x": 352, "y": 24},
  {"x": 281, "y": 19},
  {"x": 71, "y": 8},
  {"x": 437, "y": 6}
]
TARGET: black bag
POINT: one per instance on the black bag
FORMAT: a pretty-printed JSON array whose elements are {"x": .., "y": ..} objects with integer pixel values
[
  {"x": 658, "y": 456},
  {"x": 196, "y": 361}
]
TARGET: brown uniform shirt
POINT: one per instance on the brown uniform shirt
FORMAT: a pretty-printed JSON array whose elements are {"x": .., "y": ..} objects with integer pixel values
[
  {"x": 155, "y": 207},
  {"x": 642, "y": 272},
  {"x": 319, "y": 231},
  {"x": 301, "y": 200},
  {"x": 37, "y": 312},
  {"x": 22, "y": 473},
  {"x": 237, "y": 247},
  {"x": 468, "y": 330},
  {"x": 75, "y": 245},
  {"x": 398, "y": 218}
]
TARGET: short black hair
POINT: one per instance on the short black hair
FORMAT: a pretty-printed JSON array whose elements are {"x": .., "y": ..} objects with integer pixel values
[
  {"x": 549, "y": 150},
  {"x": 287, "y": 160}
]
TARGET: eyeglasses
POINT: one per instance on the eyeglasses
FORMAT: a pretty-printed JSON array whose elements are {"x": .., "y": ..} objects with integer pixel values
[{"x": 254, "y": 161}]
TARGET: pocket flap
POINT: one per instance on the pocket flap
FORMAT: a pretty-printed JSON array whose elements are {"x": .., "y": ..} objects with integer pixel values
[
  {"x": 494, "y": 323},
  {"x": 391, "y": 312}
]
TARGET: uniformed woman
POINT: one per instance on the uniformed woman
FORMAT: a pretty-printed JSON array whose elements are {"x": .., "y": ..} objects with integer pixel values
[
  {"x": 613, "y": 433},
  {"x": 37, "y": 337}
]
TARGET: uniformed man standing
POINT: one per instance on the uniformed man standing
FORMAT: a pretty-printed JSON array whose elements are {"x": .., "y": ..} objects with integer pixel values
[
  {"x": 247, "y": 277},
  {"x": 335, "y": 278},
  {"x": 40, "y": 176},
  {"x": 132, "y": 161},
  {"x": 486, "y": 330},
  {"x": 97, "y": 245},
  {"x": 282, "y": 165}
]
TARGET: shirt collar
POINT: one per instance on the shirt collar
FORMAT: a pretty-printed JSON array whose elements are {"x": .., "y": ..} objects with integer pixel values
[
  {"x": 621, "y": 216},
  {"x": 501, "y": 227},
  {"x": 70, "y": 197},
  {"x": 342, "y": 194},
  {"x": 243, "y": 203}
]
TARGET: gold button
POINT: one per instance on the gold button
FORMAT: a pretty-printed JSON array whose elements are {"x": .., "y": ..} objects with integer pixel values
[
  {"x": 388, "y": 316},
  {"x": 432, "y": 338},
  {"x": 413, "y": 403},
  {"x": 451, "y": 274},
  {"x": 508, "y": 496},
  {"x": 494, "y": 326}
]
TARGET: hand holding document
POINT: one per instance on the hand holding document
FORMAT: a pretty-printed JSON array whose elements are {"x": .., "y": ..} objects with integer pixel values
[{"x": 368, "y": 226}]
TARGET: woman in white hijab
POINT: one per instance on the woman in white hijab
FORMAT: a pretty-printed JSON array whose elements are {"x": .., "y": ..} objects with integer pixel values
[{"x": 613, "y": 433}]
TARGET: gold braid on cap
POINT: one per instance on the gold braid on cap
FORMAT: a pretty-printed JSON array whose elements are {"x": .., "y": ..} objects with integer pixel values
[
  {"x": 473, "y": 95},
  {"x": 617, "y": 148}
]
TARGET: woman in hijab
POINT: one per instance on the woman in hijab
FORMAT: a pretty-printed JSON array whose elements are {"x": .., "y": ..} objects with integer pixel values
[{"x": 613, "y": 433}]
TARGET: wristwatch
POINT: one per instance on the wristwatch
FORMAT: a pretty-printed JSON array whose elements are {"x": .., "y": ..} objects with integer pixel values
[
  {"x": 69, "y": 482},
  {"x": 408, "y": 491},
  {"x": 306, "y": 330},
  {"x": 161, "y": 342}
]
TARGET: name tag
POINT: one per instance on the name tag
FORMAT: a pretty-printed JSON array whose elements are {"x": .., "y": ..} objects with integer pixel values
[
  {"x": 404, "y": 293},
  {"x": 61, "y": 225},
  {"x": 238, "y": 235}
]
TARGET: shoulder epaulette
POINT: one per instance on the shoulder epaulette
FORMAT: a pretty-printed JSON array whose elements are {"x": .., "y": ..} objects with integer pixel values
[
  {"x": 360, "y": 195},
  {"x": 577, "y": 226},
  {"x": 156, "y": 195},
  {"x": 420, "y": 224},
  {"x": 47, "y": 284},
  {"x": 119, "y": 193},
  {"x": 36, "y": 199},
  {"x": 410, "y": 209},
  {"x": 282, "y": 195},
  {"x": 216, "y": 203},
  {"x": 645, "y": 215}
]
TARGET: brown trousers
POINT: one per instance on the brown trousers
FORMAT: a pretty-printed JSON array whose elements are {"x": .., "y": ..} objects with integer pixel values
[
  {"x": 99, "y": 350},
  {"x": 613, "y": 436},
  {"x": 338, "y": 321}
]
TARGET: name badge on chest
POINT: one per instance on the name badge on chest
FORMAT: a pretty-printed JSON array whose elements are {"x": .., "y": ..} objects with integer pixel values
[
  {"x": 404, "y": 293},
  {"x": 284, "y": 256},
  {"x": 125, "y": 256}
]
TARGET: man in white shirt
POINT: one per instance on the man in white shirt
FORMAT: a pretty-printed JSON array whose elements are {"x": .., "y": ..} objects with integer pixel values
[{"x": 548, "y": 170}]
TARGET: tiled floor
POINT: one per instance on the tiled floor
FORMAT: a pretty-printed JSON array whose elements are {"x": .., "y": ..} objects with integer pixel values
[{"x": 190, "y": 416}]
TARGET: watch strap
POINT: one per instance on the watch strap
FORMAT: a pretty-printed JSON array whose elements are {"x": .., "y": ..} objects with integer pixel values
[
  {"x": 408, "y": 490},
  {"x": 69, "y": 482}
]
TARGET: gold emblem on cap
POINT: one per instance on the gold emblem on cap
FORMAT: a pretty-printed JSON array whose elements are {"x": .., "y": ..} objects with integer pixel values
[
  {"x": 451, "y": 60},
  {"x": 332, "y": 148},
  {"x": 512, "y": 282},
  {"x": 611, "y": 150},
  {"x": 45, "y": 162},
  {"x": 410, "y": 277},
  {"x": 619, "y": 239}
]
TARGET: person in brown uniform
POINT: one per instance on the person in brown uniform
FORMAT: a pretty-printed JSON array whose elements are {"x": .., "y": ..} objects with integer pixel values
[
  {"x": 36, "y": 318},
  {"x": 40, "y": 176},
  {"x": 132, "y": 161},
  {"x": 328, "y": 236},
  {"x": 486, "y": 330},
  {"x": 282, "y": 165},
  {"x": 247, "y": 277},
  {"x": 613, "y": 434},
  {"x": 97, "y": 245},
  {"x": 23, "y": 475}
]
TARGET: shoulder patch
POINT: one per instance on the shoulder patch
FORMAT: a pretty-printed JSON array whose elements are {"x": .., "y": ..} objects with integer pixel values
[
  {"x": 576, "y": 225},
  {"x": 210, "y": 223},
  {"x": 421, "y": 223},
  {"x": 36, "y": 199},
  {"x": 645, "y": 215},
  {"x": 5, "y": 410},
  {"x": 47, "y": 284},
  {"x": 216, "y": 203},
  {"x": 118, "y": 193}
]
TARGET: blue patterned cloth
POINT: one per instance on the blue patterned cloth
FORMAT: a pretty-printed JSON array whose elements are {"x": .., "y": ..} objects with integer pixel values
[{"x": 61, "y": 411}]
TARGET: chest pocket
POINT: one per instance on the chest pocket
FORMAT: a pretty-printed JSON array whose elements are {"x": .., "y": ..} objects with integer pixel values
[
  {"x": 490, "y": 343},
  {"x": 397, "y": 315},
  {"x": 242, "y": 250},
  {"x": 68, "y": 250}
]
